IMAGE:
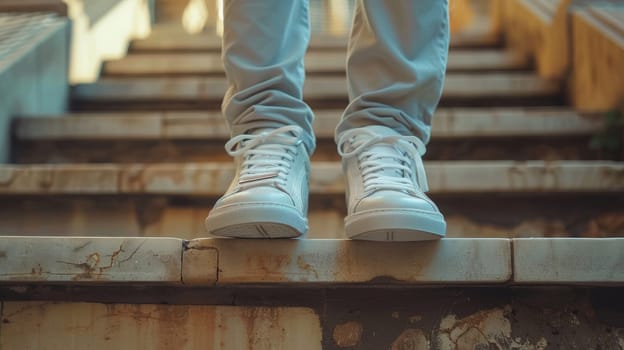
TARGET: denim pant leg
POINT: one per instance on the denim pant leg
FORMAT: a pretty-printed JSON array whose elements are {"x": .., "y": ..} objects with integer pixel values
[
  {"x": 264, "y": 43},
  {"x": 396, "y": 63}
]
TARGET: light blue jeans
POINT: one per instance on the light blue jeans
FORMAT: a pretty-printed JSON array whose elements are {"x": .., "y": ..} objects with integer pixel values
[{"x": 396, "y": 62}]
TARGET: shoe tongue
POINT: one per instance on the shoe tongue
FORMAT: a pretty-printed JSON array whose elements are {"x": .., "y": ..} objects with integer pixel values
[
  {"x": 387, "y": 153},
  {"x": 258, "y": 131}
]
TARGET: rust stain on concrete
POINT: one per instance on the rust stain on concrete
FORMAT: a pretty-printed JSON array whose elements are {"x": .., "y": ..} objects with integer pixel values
[
  {"x": 302, "y": 264},
  {"x": 269, "y": 265},
  {"x": 348, "y": 334}
]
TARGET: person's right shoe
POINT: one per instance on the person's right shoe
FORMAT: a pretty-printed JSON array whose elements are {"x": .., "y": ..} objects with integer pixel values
[
  {"x": 268, "y": 197},
  {"x": 386, "y": 185}
]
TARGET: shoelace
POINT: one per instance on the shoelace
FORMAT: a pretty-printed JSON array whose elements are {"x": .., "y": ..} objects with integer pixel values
[
  {"x": 268, "y": 156},
  {"x": 386, "y": 170}
]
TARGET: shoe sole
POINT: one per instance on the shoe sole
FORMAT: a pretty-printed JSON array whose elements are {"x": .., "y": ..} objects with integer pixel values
[
  {"x": 401, "y": 225},
  {"x": 256, "y": 221}
]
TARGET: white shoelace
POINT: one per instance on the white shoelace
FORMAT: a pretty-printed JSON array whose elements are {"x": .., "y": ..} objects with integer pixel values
[
  {"x": 385, "y": 160},
  {"x": 268, "y": 156}
]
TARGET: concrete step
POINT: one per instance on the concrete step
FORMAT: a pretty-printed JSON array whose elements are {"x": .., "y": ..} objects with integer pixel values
[
  {"x": 212, "y": 179},
  {"x": 230, "y": 262},
  {"x": 317, "y": 62},
  {"x": 74, "y": 293},
  {"x": 467, "y": 215},
  {"x": 479, "y": 199},
  {"x": 491, "y": 89},
  {"x": 166, "y": 40},
  {"x": 153, "y": 137},
  {"x": 200, "y": 125}
]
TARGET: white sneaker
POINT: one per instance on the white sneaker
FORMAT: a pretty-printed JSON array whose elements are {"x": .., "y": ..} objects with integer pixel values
[
  {"x": 386, "y": 182},
  {"x": 268, "y": 197}
]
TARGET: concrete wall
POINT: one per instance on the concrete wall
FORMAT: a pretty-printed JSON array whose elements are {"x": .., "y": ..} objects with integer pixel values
[{"x": 33, "y": 76}]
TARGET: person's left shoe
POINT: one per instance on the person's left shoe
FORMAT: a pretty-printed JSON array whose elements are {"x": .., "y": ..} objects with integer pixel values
[{"x": 386, "y": 185}]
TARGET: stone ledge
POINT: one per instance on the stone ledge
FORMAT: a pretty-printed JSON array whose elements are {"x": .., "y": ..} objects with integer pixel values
[
  {"x": 457, "y": 85},
  {"x": 212, "y": 179},
  {"x": 448, "y": 123},
  {"x": 210, "y": 262},
  {"x": 568, "y": 261},
  {"x": 163, "y": 38},
  {"x": 90, "y": 260},
  {"x": 449, "y": 261},
  {"x": 328, "y": 62}
]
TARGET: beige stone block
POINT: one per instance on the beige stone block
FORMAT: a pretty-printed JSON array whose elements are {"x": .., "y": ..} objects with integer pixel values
[
  {"x": 569, "y": 260},
  {"x": 180, "y": 222},
  {"x": 448, "y": 123},
  {"x": 77, "y": 326},
  {"x": 200, "y": 265},
  {"x": 90, "y": 260},
  {"x": 92, "y": 127},
  {"x": 210, "y": 63},
  {"x": 212, "y": 179},
  {"x": 449, "y": 261},
  {"x": 534, "y": 176},
  {"x": 316, "y": 88},
  {"x": 501, "y": 122},
  {"x": 69, "y": 179},
  {"x": 165, "y": 38},
  {"x": 147, "y": 89},
  {"x": 197, "y": 178},
  {"x": 498, "y": 85},
  {"x": 77, "y": 217},
  {"x": 188, "y": 125}
]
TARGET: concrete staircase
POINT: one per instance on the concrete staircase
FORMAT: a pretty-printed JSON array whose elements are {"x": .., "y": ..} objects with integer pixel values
[{"x": 102, "y": 211}]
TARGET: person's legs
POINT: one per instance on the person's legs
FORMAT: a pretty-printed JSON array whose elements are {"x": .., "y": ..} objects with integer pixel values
[
  {"x": 264, "y": 43},
  {"x": 395, "y": 68}
]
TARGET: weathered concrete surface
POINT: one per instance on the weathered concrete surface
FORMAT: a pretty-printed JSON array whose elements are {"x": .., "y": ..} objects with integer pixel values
[
  {"x": 90, "y": 260},
  {"x": 183, "y": 125},
  {"x": 569, "y": 260},
  {"x": 200, "y": 266},
  {"x": 163, "y": 38},
  {"x": 77, "y": 326},
  {"x": 476, "y": 216},
  {"x": 193, "y": 89},
  {"x": 212, "y": 179},
  {"x": 33, "y": 68},
  {"x": 342, "y": 261},
  {"x": 315, "y": 62},
  {"x": 453, "y": 319},
  {"x": 445, "y": 318}
]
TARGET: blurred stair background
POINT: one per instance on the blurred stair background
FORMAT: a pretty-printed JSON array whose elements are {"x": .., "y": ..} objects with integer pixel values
[{"x": 528, "y": 171}]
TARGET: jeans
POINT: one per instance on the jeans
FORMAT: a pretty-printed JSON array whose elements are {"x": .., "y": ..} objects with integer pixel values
[{"x": 396, "y": 62}]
